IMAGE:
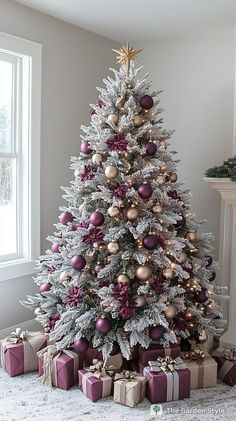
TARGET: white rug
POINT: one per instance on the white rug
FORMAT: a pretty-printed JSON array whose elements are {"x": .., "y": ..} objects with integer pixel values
[{"x": 24, "y": 398}]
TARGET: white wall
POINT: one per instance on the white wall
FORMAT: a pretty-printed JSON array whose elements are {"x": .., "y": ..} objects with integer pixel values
[
  {"x": 197, "y": 75},
  {"x": 74, "y": 62}
]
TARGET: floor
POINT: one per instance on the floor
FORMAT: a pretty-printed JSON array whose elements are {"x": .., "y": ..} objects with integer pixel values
[{"x": 24, "y": 398}]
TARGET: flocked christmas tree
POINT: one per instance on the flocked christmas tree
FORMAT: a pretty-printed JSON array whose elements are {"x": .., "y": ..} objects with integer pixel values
[{"x": 126, "y": 265}]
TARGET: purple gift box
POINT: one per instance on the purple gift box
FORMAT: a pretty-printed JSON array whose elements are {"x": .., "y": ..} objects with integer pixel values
[
  {"x": 21, "y": 357},
  {"x": 65, "y": 366},
  {"x": 226, "y": 365},
  {"x": 168, "y": 386},
  {"x": 154, "y": 351},
  {"x": 93, "y": 387}
]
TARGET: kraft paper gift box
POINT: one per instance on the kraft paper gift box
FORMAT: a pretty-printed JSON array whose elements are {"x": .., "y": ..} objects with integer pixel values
[
  {"x": 154, "y": 351},
  {"x": 58, "y": 368},
  {"x": 96, "y": 381},
  {"x": 203, "y": 369},
  {"x": 19, "y": 351},
  {"x": 129, "y": 388},
  {"x": 226, "y": 365},
  {"x": 167, "y": 380}
]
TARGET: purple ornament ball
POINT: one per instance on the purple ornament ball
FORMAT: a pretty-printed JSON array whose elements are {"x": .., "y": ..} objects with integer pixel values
[
  {"x": 181, "y": 222},
  {"x": 45, "y": 287},
  {"x": 145, "y": 191},
  {"x": 98, "y": 268},
  {"x": 156, "y": 332},
  {"x": 201, "y": 296},
  {"x": 209, "y": 261},
  {"x": 212, "y": 277},
  {"x": 103, "y": 325},
  {"x": 97, "y": 218},
  {"x": 81, "y": 345},
  {"x": 55, "y": 248},
  {"x": 151, "y": 148},
  {"x": 146, "y": 102},
  {"x": 78, "y": 262},
  {"x": 85, "y": 147},
  {"x": 65, "y": 217},
  {"x": 150, "y": 241}
]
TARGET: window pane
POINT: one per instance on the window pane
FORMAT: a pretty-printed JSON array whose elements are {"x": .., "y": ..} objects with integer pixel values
[
  {"x": 8, "y": 219},
  {"x": 6, "y": 70}
]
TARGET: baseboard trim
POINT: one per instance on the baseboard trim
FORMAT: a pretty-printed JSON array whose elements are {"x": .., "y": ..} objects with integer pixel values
[{"x": 30, "y": 325}]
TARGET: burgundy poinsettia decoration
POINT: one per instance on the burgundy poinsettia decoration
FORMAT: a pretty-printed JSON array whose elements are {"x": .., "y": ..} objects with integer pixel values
[
  {"x": 95, "y": 235},
  {"x": 174, "y": 195},
  {"x": 180, "y": 323},
  {"x": 119, "y": 291},
  {"x": 127, "y": 308},
  {"x": 117, "y": 143},
  {"x": 158, "y": 285},
  {"x": 52, "y": 322},
  {"x": 88, "y": 173},
  {"x": 74, "y": 295},
  {"x": 99, "y": 104},
  {"x": 120, "y": 190}
]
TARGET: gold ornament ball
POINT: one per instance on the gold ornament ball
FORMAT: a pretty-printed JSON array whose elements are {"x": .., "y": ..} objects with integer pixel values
[
  {"x": 157, "y": 208},
  {"x": 97, "y": 158},
  {"x": 132, "y": 213},
  {"x": 168, "y": 273},
  {"x": 161, "y": 179},
  {"x": 194, "y": 251},
  {"x": 130, "y": 180},
  {"x": 144, "y": 273},
  {"x": 170, "y": 312},
  {"x": 123, "y": 279},
  {"x": 183, "y": 257},
  {"x": 113, "y": 118},
  {"x": 113, "y": 247},
  {"x": 111, "y": 172},
  {"x": 113, "y": 211},
  {"x": 38, "y": 311},
  {"x": 191, "y": 235},
  {"x": 173, "y": 177},
  {"x": 64, "y": 277},
  {"x": 138, "y": 120}
]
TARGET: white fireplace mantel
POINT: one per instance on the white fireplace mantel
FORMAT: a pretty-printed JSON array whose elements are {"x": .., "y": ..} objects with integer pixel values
[{"x": 227, "y": 250}]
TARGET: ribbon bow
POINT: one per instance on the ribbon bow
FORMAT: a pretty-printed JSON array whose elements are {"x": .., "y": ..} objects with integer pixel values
[
  {"x": 99, "y": 369},
  {"x": 17, "y": 336},
  {"x": 229, "y": 354},
  {"x": 126, "y": 375},
  {"x": 196, "y": 354},
  {"x": 165, "y": 364}
]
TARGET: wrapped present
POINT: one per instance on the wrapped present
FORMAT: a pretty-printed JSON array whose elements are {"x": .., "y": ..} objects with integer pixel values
[
  {"x": 58, "y": 368},
  {"x": 207, "y": 345},
  {"x": 96, "y": 381},
  {"x": 203, "y": 369},
  {"x": 129, "y": 388},
  {"x": 226, "y": 362},
  {"x": 19, "y": 351},
  {"x": 168, "y": 379},
  {"x": 154, "y": 351},
  {"x": 90, "y": 355}
]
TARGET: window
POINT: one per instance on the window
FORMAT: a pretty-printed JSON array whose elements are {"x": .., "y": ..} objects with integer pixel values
[{"x": 20, "y": 85}]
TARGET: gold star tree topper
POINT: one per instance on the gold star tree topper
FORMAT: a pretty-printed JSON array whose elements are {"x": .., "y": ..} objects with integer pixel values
[{"x": 126, "y": 54}]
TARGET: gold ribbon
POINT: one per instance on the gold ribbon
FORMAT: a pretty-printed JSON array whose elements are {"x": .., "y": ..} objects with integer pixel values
[
  {"x": 195, "y": 355},
  {"x": 99, "y": 369},
  {"x": 126, "y": 375},
  {"x": 17, "y": 336},
  {"x": 165, "y": 364},
  {"x": 50, "y": 354},
  {"x": 229, "y": 354}
]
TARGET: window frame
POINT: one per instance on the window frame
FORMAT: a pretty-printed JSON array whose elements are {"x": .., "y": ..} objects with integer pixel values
[{"x": 29, "y": 202}]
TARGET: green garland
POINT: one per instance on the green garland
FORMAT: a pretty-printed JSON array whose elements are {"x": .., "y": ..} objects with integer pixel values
[{"x": 227, "y": 170}]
